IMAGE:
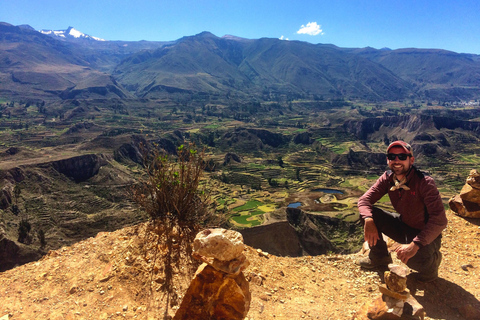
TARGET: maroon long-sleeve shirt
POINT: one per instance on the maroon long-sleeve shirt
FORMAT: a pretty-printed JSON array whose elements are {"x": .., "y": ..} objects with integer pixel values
[{"x": 420, "y": 207}]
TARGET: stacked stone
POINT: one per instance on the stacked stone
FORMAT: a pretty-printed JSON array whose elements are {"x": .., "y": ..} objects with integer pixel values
[
  {"x": 467, "y": 203},
  {"x": 395, "y": 301},
  {"x": 219, "y": 289}
]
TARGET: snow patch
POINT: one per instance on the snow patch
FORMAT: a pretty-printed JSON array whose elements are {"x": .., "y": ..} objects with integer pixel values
[
  {"x": 70, "y": 33},
  {"x": 75, "y": 33}
]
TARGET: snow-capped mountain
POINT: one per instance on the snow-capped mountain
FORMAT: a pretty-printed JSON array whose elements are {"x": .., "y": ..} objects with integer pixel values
[{"x": 70, "y": 33}]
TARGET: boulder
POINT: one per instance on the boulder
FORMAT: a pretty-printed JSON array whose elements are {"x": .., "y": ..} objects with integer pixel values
[
  {"x": 219, "y": 289},
  {"x": 215, "y": 295},
  {"x": 221, "y": 244},
  {"x": 467, "y": 203}
]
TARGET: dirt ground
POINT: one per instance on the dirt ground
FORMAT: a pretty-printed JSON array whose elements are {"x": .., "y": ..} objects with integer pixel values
[{"x": 108, "y": 277}]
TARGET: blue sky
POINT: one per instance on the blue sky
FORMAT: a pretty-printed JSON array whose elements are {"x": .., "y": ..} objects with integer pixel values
[{"x": 443, "y": 24}]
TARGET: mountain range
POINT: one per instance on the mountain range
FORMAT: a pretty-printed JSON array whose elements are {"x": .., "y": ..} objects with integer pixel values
[{"x": 67, "y": 64}]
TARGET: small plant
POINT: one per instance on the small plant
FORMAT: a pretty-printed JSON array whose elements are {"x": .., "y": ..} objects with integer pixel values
[
  {"x": 41, "y": 237},
  {"x": 272, "y": 182},
  {"x": 24, "y": 232},
  {"x": 174, "y": 197}
]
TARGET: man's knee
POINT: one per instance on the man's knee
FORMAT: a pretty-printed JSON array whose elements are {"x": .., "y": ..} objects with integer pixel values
[{"x": 428, "y": 258}]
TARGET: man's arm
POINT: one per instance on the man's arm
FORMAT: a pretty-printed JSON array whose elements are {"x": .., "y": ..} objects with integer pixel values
[
  {"x": 437, "y": 220},
  {"x": 370, "y": 232},
  {"x": 365, "y": 204},
  {"x": 375, "y": 193}
]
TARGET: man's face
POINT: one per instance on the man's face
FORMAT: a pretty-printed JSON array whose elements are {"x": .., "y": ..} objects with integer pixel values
[{"x": 399, "y": 167}]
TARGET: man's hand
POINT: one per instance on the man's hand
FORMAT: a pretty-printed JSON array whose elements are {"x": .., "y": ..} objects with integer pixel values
[
  {"x": 406, "y": 251},
  {"x": 370, "y": 232}
]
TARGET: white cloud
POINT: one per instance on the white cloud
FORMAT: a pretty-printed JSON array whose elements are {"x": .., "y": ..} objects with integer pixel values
[
  {"x": 283, "y": 38},
  {"x": 312, "y": 29}
]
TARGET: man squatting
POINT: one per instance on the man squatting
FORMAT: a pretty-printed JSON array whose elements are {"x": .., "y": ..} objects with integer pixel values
[{"x": 417, "y": 223}]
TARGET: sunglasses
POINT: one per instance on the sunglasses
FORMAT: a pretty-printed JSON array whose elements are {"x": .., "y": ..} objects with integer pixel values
[{"x": 401, "y": 156}]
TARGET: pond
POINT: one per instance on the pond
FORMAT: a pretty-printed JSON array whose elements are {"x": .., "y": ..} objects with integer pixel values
[
  {"x": 295, "y": 205},
  {"x": 328, "y": 190}
]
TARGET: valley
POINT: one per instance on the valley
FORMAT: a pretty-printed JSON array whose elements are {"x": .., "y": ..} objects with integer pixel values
[
  {"x": 280, "y": 123},
  {"x": 74, "y": 171}
]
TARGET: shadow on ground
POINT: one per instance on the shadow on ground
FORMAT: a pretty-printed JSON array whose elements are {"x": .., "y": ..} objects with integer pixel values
[{"x": 443, "y": 299}]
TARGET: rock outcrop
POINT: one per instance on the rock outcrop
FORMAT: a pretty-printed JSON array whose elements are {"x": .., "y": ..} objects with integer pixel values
[
  {"x": 303, "y": 234},
  {"x": 303, "y": 138},
  {"x": 313, "y": 240},
  {"x": 278, "y": 238},
  {"x": 8, "y": 179},
  {"x": 360, "y": 159},
  {"x": 467, "y": 203},
  {"x": 219, "y": 290},
  {"x": 362, "y": 129},
  {"x": 229, "y": 157},
  {"x": 78, "y": 168},
  {"x": 248, "y": 140}
]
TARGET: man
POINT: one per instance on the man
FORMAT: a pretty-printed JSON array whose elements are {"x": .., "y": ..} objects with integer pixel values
[{"x": 418, "y": 222}]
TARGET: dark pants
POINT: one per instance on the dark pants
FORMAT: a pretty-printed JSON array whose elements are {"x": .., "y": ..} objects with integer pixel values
[{"x": 425, "y": 261}]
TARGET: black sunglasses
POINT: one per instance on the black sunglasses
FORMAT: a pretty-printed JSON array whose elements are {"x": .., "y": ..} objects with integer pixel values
[{"x": 401, "y": 156}]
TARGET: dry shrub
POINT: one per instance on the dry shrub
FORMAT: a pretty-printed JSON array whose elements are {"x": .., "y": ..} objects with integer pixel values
[{"x": 174, "y": 196}]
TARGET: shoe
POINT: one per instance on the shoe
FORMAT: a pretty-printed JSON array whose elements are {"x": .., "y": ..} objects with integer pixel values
[{"x": 370, "y": 263}]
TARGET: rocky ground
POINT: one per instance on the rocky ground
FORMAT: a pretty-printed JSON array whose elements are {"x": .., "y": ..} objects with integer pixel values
[{"x": 108, "y": 277}]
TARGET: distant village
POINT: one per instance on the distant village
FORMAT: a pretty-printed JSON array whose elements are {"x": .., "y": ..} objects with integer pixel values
[{"x": 470, "y": 103}]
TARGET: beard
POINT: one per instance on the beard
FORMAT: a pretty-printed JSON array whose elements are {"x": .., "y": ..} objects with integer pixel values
[{"x": 399, "y": 168}]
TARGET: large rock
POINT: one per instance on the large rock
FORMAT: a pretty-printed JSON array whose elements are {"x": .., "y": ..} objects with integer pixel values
[
  {"x": 219, "y": 243},
  {"x": 215, "y": 295},
  {"x": 219, "y": 289},
  {"x": 467, "y": 204}
]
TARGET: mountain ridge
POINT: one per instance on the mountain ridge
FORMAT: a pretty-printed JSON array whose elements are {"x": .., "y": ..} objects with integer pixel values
[
  {"x": 264, "y": 68},
  {"x": 71, "y": 33}
]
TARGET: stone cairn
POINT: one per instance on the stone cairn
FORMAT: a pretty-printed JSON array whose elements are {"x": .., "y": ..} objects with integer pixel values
[
  {"x": 395, "y": 301},
  {"x": 218, "y": 289},
  {"x": 467, "y": 203}
]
